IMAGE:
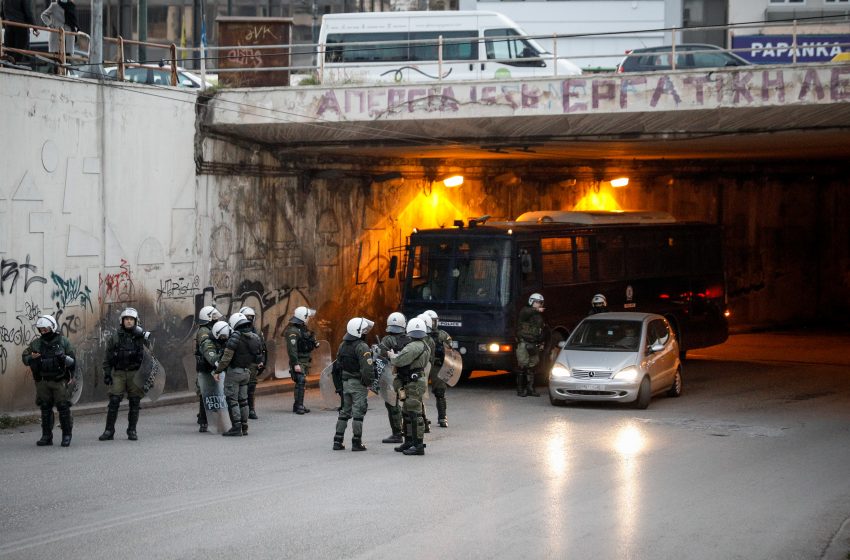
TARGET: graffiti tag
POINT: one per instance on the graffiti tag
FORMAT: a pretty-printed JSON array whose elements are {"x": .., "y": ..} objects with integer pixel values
[
  {"x": 116, "y": 287},
  {"x": 4, "y": 357},
  {"x": 19, "y": 335},
  {"x": 70, "y": 291},
  {"x": 178, "y": 288},
  {"x": 9, "y": 268}
]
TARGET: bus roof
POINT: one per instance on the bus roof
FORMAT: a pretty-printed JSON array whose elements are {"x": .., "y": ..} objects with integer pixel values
[{"x": 595, "y": 218}]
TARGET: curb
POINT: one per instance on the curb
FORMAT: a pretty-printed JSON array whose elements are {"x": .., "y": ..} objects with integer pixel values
[{"x": 268, "y": 387}]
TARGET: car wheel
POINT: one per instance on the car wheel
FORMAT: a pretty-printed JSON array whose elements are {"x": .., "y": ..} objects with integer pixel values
[
  {"x": 644, "y": 395},
  {"x": 676, "y": 389},
  {"x": 557, "y": 402}
]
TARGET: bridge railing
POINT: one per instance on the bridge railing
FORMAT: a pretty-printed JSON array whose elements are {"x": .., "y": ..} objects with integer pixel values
[{"x": 318, "y": 58}]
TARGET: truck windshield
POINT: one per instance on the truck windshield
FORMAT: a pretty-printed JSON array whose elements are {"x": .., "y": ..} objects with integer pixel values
[{"x": 473, "y": 270}]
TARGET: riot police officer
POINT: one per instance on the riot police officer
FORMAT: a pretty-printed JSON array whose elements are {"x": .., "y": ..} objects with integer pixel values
[
  {"x": 207, "y": 317},
  {"x": 124, "y": 354},
  {"x": 394, "y": 340},
  {"x": 432, "y": 348},
  {"x": 599, "y": 304},
  {"x": 250, "y": 314},
  {"x": 355, "y": 360},
  {"x": 411, "y": 385},
  {"x": 440, "y": 339},
  {"x": 50, "y": 358},
  {"x": 300, "y": 343},
  {"x": 530, "y": 331},
  {"x": 242, "y": 351}
]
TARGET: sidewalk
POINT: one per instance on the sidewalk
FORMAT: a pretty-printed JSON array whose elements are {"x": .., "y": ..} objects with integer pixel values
[{"x": 268, "y": 387}]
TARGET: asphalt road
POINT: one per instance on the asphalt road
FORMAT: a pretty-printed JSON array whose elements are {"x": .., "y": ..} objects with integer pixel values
[{"x": 752, "y": 462}]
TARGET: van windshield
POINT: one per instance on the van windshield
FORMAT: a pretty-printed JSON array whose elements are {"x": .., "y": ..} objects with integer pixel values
[{"x": 505, "y": 44}]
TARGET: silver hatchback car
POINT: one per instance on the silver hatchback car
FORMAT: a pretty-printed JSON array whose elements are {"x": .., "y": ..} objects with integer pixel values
[{"x": 619, "y": 357}]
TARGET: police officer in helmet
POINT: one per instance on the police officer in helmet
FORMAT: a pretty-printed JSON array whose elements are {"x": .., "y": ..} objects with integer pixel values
[
  {"x": 250, "y": 314},
  {"x": 394, "y": 340},
  {"x": 440, "y": 339},
  {"x": 355, "y": 359},
  {"x": 599, "y": 304},
  {"x": 411, "y": 384},
  {"x": 530, "y": 333},
  {"x": 300, "y": 343},
  {"x": 124, "y": 354},
  {"x": 50, "y": 358},
  {"x": 242, "y": 351},
  {"x": 207, "y": 317}
]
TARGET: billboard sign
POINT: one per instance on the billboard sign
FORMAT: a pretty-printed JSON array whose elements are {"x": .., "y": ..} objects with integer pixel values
[{"x": 776, "y": 49}]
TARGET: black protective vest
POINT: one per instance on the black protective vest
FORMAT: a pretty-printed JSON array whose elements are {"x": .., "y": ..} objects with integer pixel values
[
  {"x": 51, "y": 364},
  {"x": 248, "y": 350},
  {"x": 128, "y": 352},
  {"x": 347, "y": 356},
  {"x": 306, "y": 341}
]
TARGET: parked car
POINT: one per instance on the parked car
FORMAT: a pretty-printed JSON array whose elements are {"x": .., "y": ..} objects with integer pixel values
[
  {"x": 618, "y": 357},
  {"x": 156, "y": 75},
  {"x": 688, "y": 56}
]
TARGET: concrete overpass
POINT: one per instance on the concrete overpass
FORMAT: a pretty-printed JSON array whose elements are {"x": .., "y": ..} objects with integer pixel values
[{"x": 766, "y": 112}]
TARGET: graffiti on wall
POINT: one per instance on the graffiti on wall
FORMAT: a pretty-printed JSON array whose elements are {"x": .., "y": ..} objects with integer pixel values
[
  {"x": 176, "y": 288},
  {"x": 116, "y": 287},
  {"x": 10, "y": 270},
  {"x": 71, "y": 291}
]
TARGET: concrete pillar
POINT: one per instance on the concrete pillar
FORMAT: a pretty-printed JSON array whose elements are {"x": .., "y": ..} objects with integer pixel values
[{"x": 172, "y": 25}]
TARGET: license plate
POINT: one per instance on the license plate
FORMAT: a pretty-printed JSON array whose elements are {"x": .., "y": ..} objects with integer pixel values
[{"x": 591, "y": 387}]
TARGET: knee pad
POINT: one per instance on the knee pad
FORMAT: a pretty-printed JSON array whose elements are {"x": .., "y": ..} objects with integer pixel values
[
  {"x": 344, "y": 417},
  {"x": 135, "y": 401},
  {"x": 63, "y": 406},
  {"x": 356, "y": 419},
  {"x": 45, "y": 409},
  {"x": 114, "y": 401},
  {"x": 243, "y": 402},
  {"x": 440, "y": 393}
]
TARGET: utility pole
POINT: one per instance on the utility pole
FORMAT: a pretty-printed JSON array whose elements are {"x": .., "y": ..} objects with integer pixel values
[
  {"x": 95, "y": 66},
  {"x": 143, "y": 29}
]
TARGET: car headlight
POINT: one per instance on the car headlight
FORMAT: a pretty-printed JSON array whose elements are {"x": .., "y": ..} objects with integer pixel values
[
  {"x": 560, "y": 370},
  {"x": 630, "y": 373}
]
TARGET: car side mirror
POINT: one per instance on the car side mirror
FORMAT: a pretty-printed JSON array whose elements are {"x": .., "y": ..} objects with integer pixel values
[{"x": 657, "y": 347}]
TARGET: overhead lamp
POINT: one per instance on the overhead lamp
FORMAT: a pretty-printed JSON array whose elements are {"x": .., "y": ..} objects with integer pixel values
[
  {"x": 619, "y": 182},
  {"x": 453, "y": 181}
]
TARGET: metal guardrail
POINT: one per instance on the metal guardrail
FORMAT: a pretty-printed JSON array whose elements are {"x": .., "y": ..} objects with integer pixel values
[{"x": 212, "y": 54}]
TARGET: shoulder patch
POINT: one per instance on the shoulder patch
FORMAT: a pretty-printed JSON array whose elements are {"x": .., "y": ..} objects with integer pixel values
[
  {"x": 293, "y": 341},
  {"x": 369, "y": 361}
]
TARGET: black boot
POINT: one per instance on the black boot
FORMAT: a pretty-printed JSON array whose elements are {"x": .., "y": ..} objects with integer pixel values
[
  {"x": 111, "y": 416},
  {"x": 202, "y": 415},
  {"x": 395, "y": 438},
  {"x": 520, "y": 384},
  {"x": 409, "y": 430},
  {"x": 418, "y": 448},
  {"x": 66, "y": 422},
  {"x": 408, "y": 442},
  {"x": 338, "y": 445},
  {"x": 235, "y": 421},
  {"x": 530, "y": 387},
  {"x": 441, "y": 408},
  {"x": 252, "y": 414},
  {"x": 46, "y": 427},
  {"x": 133, "y": 418},
  {"x": 357, "y": 444},
  {"x": 235, "y": 431}
]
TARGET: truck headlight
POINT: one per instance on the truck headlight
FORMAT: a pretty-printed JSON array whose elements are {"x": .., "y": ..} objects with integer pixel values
[
  {"x": 630, "y": 373},
  {"x": 560, "y": 370}
]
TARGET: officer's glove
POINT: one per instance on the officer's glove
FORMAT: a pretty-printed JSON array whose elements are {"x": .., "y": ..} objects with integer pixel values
[{"x": 107, "y": 379}]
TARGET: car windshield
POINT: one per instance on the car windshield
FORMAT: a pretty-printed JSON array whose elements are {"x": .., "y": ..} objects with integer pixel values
[{"x": 606, "y": 334}]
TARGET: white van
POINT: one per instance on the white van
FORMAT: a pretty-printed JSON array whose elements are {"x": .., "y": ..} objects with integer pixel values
[{"x": 403, "y": 47}]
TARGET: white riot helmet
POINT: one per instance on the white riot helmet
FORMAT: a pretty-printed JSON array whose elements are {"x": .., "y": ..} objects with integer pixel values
[
  {"x": 46, "y": 322},
  {"x": 358, "y": 326},
  {"x": 427, "y": 320},
  {"x": 302, "y": 313},
  {"x": 209, "y": 313},
  {"x": 129, "y": 312},
  {"x": 396, "y": 323},
  {"x": 432, "y": 315},
  {"x": 249, "y": 313},
  {"x": 534, "y": 297},
  {"x": 417, "y": 328},
  {"x": 599, "y": 301},
  {"x": 237, "y": 320},
  {"x": 221, "y": 329}
]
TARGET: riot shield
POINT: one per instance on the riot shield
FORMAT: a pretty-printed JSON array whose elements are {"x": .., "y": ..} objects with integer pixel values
[
  {"x": 327, "y": 387},
  {"x": 451, "y": 368},
  {"x": 385, "y": 385},
  {"x": 75, "y": 385},
  {"x": 426, "y": 376},
  {"x": 270, "y": 369},
  {"x": 380, "y": 363},
  {"x": 151, "y": 376},
  {"x": 218, "y": 417}
]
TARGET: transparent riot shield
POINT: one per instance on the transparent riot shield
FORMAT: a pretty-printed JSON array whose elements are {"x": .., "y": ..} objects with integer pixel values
[
  {"x": 426, "y": 376},
  {"x": 151, "y": 376},
  {"x": 75, "y": 385},
  {"x": 218, "y": 417},
  {"x": 327, "y": 388},
  {"x": 452, "y": 367},
  {"x": 385, "y": 385},
  {"x": 269, "y": 369}
]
